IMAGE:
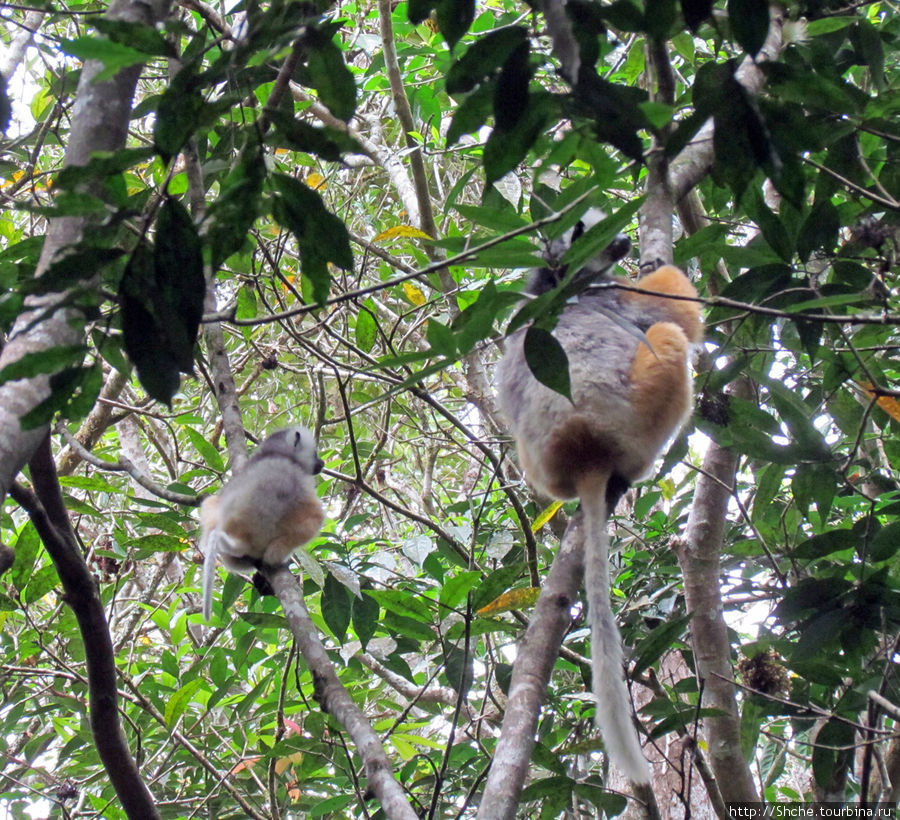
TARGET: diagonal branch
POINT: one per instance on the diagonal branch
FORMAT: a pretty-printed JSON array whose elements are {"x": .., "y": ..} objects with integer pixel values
[
  {"x": 334, "y": 699},
  {"x": 101, "y": 117},
  {"x": 47, "y": 511}
]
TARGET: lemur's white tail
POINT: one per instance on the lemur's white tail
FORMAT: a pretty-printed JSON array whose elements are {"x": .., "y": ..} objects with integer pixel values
[
  {"x": 613, "y": 709},
  {"x": 210, "y": 549}
]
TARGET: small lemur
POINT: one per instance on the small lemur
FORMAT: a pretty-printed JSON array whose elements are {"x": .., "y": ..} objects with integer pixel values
[{"x": 266, "y": 511}]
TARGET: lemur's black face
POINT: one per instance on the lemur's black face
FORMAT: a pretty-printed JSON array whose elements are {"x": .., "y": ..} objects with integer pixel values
[{"x": 546, "y": 278}]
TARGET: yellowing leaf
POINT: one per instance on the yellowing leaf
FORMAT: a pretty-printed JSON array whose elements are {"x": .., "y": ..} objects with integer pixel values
[
  {"x": 511, "y": 599},
  {"x": 316, "y": 181},
  {"x": 667, "y": 486},
  {"x": 545, "y": 515},
  {"x": 247, "y": 763},
  {"x": 284, "y": 763},
  {"x": 414, "y": 294},
  {"x": 889, "y": 404},
  {"x": 401, "y": 230}
]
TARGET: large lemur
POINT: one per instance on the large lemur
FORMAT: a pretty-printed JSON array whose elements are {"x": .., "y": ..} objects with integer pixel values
[{"x": 630, "y": 394}]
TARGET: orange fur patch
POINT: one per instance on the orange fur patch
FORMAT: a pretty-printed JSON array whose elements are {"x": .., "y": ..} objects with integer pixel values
[
  {"x": 660, "y": 385},
  {"x": 686, "y": 314}
]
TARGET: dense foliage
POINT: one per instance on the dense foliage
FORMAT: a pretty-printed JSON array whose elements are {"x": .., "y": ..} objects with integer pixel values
[{"x": 366, "y": 185}]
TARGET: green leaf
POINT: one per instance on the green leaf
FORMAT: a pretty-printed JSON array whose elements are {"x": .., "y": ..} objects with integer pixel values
[
  {"x": 40, "y": 583},
  {"x": 661, "y": 638},
  {"x": 476, "y": 322},
  {"x": 258, "y": 620},
  {"x": 472, "y": 113},
  {"x": 79, "y": 263},
  {"x": 27, "y": 546},
  {"x": 84, "y": 397},
  {"x": 826, "y": 543},
  {"x": 138, "y": 36},
  {"x": 210, "y": 455},
  {"x": 507, "y": 147},
  {"x": 321, "y": 236},
  {"x": 819, "y": 230},
  {"x": 402, "y": 603},
  {"x": 659, "y": 114},
  {"x": 826, "y": 25},
  {"x": 41, "y": 362},
  {"x": 161, "y": 300},
  {"x": 234, "y": 211},
  {"x": 752, "y": 717},
  {"x": 114, "y": 56},
  {"x": 407, "y": 628},
  {"x": 177, "y": 704},
  {"x": 144, "y": 328},
  {"x": 458, "y": 667},
  {"x": 72, "y": 388},
  {"x": 441, "y": 339},
  {"x": 886, "y": 542},
  {"x": 455, "y": 588},
  {"x": 750, "y": 23},
  {"x": 101, "y": 166},
  {"x": 178, "y": 262},
  {"x": 867, "y": 39},
  {"x": 547, "y": 360},
  {"x": 625, "y": 16},
  {"x": 365, "y": 617},
  {"x": 181, "y": 111},
  {"x": 366, "y": 329},
  {"x": 502, "y": 220},
  {"x": 559, "y": 787},
  {"x": 336, "y": 607},
  {"x": 326, "y": 71},
  {"x": 146, "y": 545},
  {"x": 484, "y": 58},
  {"x": 511, "y": 90},
  {"x": 495, "y": 583},
  {"x": 696, "y": 12},
  {"x": 322, "y": 141},
  {"x": 828, "y": 753},
  {"x": 741, "y": 140},
  {"x": 659, "y": 18},
  {"x": 770, "y": 225},
  {"x": 454, "y": 18},
  {"x": 610, "y": 803}
]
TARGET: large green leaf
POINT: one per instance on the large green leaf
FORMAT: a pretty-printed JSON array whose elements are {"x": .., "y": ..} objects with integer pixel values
[
  {"x": 547, "y": 360},
  {"x": 161, "y": 300}
]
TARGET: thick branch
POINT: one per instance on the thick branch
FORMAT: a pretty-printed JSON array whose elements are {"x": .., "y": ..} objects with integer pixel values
[
  {"x": 334, "y": 699},
  {"x": 404, "y": 114},
  {"x": 565, "y": 47},
  {"x": 124, "y": 465},
  {"x": 100, "y": 123},
  {"x": 48, "y": 513},
  {"x": 535, "y": 659},
  {"x": 20, "y": 41},
  {"x": 96, "y": 423},
  {"x": 698, "y": 556}
]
